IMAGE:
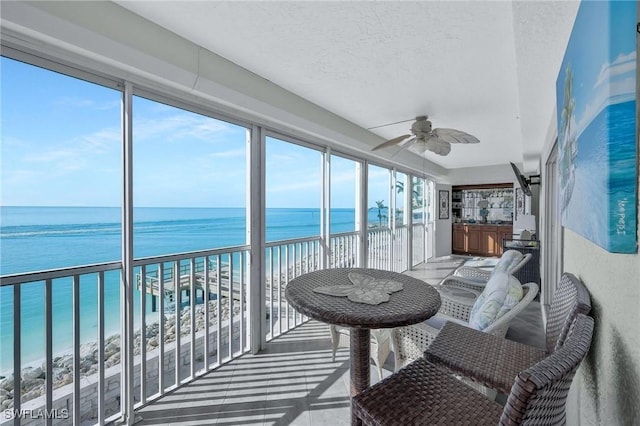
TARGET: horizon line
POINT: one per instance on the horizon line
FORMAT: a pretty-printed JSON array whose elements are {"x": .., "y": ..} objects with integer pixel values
[{"x": 165, "y": 207}]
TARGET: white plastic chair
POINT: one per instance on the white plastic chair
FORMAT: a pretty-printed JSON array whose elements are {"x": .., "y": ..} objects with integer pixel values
[{"x": 380, "y": 344}]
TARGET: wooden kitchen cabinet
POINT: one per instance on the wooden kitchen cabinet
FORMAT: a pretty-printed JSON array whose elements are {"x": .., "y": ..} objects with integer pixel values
[
  {"x": 504, "y": 233},
  {"x": 489, "y": 240},
  {"x": 480, "y": 240},
  {"x": 474, "y": 245},
  {"x": 459, "y": 239}
]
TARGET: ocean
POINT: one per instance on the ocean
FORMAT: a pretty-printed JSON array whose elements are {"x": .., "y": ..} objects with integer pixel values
[
  {"x": 42, "y": 238},
  {"x": 603, "y": 203}
]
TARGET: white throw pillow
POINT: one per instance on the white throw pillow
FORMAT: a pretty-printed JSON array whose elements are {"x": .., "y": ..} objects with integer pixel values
[
  {"x": 508, "y": 261},
  {"x": 501, "y": 294}
]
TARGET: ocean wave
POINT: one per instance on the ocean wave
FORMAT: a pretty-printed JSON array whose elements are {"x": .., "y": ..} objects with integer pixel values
[
  {"x": 115, "y": 228},
  {"x": 43, "y": 231}
]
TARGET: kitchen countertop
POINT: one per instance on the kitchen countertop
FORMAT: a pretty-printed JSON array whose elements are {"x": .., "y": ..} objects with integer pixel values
[{"x": 483, "y": 224}]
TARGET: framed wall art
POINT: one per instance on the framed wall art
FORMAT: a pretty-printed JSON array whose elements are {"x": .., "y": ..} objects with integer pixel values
[
  {"x": 443, "y": 204},
  {"x": 596, "y": 99},
  {"x": 520, "y": 203}
]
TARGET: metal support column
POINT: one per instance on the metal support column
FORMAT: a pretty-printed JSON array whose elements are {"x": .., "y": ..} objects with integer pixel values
[
  {"x": 325, "y": 212},
  {"x": 362, "y": 212},
  {"x": 256, "y": 224},
  {"x": 391, "y": 255},
  {"x": 127, "y": 337},
  {"x": 408, "y": 218}
]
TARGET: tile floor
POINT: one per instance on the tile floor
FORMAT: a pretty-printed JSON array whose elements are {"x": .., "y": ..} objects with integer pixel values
[{"x": 293, "y": 381}]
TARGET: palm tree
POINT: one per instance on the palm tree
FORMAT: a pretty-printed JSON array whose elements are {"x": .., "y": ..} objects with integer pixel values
[
  {"x": 569, "y": 147},
  {"x": 568, "y": 106},
  {"x": 381, "y": 209},
  {"x": 568, "y": 103},
  {"x": 416, "y": 192}
]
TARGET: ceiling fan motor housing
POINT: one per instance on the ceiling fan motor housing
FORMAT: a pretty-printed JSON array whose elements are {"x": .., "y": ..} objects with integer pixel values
[{"x": 421, "y": 125}]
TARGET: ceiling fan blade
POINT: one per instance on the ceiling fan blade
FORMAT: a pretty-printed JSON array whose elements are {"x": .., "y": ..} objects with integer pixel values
[
  {"x": 409, "y": 143},
  {"x": 454, "y": 136},
  {"x": 390, "y": 142},
  {"x": 435, "y": 145}
]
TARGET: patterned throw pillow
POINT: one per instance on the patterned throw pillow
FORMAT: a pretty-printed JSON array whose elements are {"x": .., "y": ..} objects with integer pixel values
[{"x": 501, "y": 294}]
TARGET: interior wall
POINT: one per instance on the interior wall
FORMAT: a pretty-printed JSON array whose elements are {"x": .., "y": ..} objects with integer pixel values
[
  {"x": 444, "y": 227},
  {"x": 487, "y": 174},
  {"x": 606, "y": 389}
]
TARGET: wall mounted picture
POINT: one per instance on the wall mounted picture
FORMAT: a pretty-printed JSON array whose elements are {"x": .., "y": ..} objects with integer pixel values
[
  {"x": 520, "y": 203},
  {"x": 596, "y": 98},
  {"x": 443, "y": 204}
]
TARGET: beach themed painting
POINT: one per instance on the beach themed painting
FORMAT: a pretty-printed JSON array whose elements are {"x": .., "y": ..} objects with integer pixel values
[{"x": 596, "y": 98}]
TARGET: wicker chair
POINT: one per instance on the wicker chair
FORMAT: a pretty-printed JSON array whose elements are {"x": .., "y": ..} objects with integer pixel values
[
  {"x": 409, "y": 343},
  {"x": 380, "y": 344},
  {"x": 493, "y": 362},
  {"x": 424, "y": 393},
  {"x": 514, "y": 262}
]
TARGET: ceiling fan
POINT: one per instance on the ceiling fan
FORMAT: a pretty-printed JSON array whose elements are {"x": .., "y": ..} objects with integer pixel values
[{"x": 435, "y": 140}]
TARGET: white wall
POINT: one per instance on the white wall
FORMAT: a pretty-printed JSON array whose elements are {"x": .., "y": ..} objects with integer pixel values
[
  {"x": 443, "y": 226},
  {"x": 500, "y": 173},
  {"x": 606, "y": 389}
]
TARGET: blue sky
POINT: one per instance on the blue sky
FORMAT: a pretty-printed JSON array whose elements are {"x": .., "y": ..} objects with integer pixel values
[{"x": 61, "y": 146}]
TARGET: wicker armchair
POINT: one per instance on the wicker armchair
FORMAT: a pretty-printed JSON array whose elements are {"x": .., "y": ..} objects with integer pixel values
[
  {"x": 492, "y": 361},
  {"x": 380, "y": 344},
  {"x": 511, "y": 260},
  {"x": 425, "y": 394},
  {"x": 409, "y": 343}
]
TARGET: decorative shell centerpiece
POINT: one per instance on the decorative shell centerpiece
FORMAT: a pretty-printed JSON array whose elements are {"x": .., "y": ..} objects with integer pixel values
[{"x": 365, "y": 289}]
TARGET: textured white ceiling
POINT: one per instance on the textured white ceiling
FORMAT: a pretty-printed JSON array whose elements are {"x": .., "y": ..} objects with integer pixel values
[{"x": 487, "y": 68}]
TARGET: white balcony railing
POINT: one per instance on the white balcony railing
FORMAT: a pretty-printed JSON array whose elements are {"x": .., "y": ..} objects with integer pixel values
[
  {"x": 175, "y": 347},
  {"x": 379, "y": 248},
  {"x": 418, "y": 242},
  {"x": 345, "y": 250},
  {"x": 194, "y": 317},
  {"x": 284, "y": 261}
]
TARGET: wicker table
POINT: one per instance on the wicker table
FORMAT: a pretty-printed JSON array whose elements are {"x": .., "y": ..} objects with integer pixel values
[{"x": 416, "y": 302}]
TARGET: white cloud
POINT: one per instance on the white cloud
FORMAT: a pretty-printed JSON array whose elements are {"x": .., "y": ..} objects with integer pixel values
[
  {"x": 229, "y": 154},
  {"x": 20, "y": 176},
  {"x": 623, "y": 64},
  {"x": 344, "y": 176},
  {"x": 87, "y": 103},
  {"x": 616, "y": 92},
  {"x": 294, "y": 186},
  {"x": 13, "y": 142},
  {"x": 378, "y": 173},
  {"x": 278, "y": 159},
  {"x": 180, "y": 126},
  {"x": 79, "y": 148},
  {"x": 616, "y": 83}
]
